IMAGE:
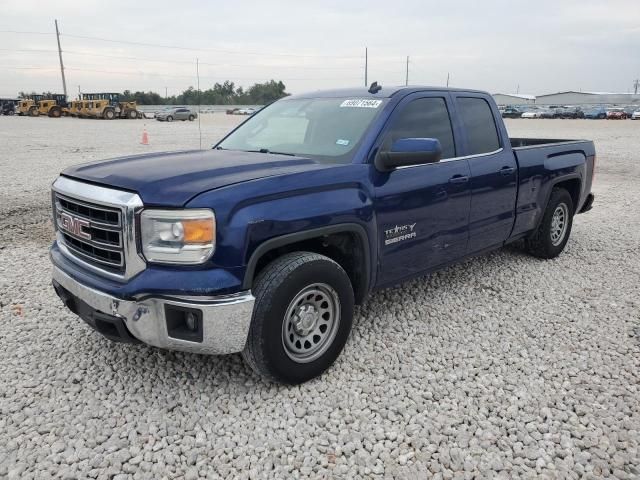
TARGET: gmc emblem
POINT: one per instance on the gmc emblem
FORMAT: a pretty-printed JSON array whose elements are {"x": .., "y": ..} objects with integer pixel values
[{"x": 74, "y": 225}]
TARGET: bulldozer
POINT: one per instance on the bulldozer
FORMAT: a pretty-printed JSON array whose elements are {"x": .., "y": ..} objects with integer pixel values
[
  {"x": 108, "y": 106},
  {"x": 29, "y": 105}
]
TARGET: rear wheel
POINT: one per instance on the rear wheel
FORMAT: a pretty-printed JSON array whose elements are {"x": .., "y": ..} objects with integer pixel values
[
  {"x": 109, "y": 114},
  {"x": 191, "y": 118},
  {"x": 552, "y": 234},
  {"x": 301, "y": 319},
  {"x": 132, "y": 114},
  {"x": 33, "y": 111},
  {"x": 55, "y": 112}
]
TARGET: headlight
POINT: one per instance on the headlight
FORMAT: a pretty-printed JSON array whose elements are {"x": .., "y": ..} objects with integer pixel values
[{"x": 178, "y": 236}]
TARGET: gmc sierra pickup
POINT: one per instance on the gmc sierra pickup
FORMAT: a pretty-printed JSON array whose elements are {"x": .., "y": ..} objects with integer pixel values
[{"x": 263, "y": 244}]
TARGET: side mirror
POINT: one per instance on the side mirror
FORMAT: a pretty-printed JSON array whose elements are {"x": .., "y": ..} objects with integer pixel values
[{"x": 409, "y": 151}]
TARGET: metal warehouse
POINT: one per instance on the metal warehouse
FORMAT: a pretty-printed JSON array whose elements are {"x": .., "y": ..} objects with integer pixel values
[
  {"x": 513, "y": 98},
  {"x": 587, "y": 98}
]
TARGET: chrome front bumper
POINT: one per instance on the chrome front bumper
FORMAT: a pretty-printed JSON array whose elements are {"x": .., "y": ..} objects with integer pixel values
[{"x": 225, "y": 319}]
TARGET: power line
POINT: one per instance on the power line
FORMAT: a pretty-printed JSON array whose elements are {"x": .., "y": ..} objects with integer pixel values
[
  {"x": 177, "y": 47},
  {"x": 177, "y": 62},
  {"x": 26, "y": 33}
]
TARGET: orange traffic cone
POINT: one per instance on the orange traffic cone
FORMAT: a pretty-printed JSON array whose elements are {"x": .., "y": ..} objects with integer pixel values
[{"x": 145, "y": 137}]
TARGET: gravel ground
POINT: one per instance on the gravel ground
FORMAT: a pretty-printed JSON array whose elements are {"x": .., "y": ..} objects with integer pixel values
[{"x": 503, "y": 366}]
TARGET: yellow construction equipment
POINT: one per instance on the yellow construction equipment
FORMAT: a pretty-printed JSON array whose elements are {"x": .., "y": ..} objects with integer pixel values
[
  {"x": 28, "y": 105},
  {"x": 74, "y": 107},
  {"x": 54, "y": 105},
  {"x": 109, "y": 106},
  {"x": 84, "y": 108}
]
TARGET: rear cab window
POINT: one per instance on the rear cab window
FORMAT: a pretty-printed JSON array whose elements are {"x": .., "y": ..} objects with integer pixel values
[{"x": 479, "y": 124}]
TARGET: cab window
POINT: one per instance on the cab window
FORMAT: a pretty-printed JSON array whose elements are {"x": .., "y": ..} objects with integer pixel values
[{"x": 423, "y": 118}]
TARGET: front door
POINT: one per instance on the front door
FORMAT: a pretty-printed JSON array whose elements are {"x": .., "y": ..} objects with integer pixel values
[{"x": 422, "y": 211}]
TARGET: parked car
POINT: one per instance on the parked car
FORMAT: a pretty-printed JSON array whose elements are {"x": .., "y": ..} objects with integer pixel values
[
  {"x": 596, "y": 113},
  {"x": 242, "y": 111},
  {"x": 554, "y": 112},
  {"x": 177, "y": 113},
  {"x": 635, "y": 115},
  {"x": 537, "y": 113},
  {"x": 571, "y": 112},
  {"x": 511, "y": 112},
  {"x": 617, "y": 114},
  {"x": 8, "y": 107},
  {"x": 263, "y": 244}
]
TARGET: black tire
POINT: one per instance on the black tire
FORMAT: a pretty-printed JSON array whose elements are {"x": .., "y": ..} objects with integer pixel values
[
  {"x": 191, "y": 118},
  {"x": 169, "y": 118},
  {"x": 132, "y": 114},
  {"x": 541, "y": 243},
  {"x": 34, "y": 112},
  {"x": 275, "y": 289},
  {"x": 55, "y": 112},
  {"x": 109, "y": 114}
]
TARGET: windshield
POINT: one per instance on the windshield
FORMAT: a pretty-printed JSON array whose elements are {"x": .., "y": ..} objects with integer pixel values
[{"x": 325, "y": 129}]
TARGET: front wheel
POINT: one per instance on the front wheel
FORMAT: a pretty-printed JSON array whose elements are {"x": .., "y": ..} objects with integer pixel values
[
  {"x": 109, "y": 114},
  {"x": 301, "y": 319},
  {"x": 552, "y": 234},
  {"x": 169, "y": 118}
]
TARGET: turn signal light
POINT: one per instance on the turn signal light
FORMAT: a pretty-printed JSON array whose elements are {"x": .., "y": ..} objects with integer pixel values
[{"x": 198, "y": 231}]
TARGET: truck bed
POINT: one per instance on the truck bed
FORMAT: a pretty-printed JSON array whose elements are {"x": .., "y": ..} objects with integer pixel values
[{"x": 540, "y": 160}]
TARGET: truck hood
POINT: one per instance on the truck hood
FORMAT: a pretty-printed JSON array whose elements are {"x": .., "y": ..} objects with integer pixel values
[{"x": 173, "y": 178}]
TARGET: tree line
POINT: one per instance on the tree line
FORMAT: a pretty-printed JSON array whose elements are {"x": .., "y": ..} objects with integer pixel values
[
  {"x": 220, "y": 94},
  {"x": 225, "y": 93}
]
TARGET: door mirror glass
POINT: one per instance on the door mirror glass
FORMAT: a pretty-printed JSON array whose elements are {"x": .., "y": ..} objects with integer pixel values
[{"x": 409, "y": 151}]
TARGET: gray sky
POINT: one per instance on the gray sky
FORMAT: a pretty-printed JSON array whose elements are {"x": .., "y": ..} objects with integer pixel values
[{"x": 542, "y": 46}]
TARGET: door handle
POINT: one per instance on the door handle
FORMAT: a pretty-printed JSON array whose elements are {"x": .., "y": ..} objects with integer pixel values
[
  {"x": 459, "y": 179},
  {"x": 507, "y": 170}
]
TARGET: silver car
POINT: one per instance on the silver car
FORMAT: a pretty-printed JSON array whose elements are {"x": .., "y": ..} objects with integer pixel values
[{"x": 177, "y": 113}]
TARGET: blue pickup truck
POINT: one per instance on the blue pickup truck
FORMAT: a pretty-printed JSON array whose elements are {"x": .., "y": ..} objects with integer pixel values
[{"x": 264, "y": 244}]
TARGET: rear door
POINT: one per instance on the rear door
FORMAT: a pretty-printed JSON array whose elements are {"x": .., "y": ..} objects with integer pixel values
[
  {"x": 422, "y": 211},
  {"x": 494, "y": 172}
]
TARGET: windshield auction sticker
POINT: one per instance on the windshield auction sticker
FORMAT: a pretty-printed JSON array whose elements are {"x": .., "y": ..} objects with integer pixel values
[{"x": 361, "y": 103}]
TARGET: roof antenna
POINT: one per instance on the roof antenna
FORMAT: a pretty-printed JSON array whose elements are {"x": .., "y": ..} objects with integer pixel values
[{"x": 375, "y": 88}]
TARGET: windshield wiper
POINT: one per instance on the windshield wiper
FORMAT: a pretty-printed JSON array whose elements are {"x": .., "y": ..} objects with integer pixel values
[{"x": 266, "y": 150}]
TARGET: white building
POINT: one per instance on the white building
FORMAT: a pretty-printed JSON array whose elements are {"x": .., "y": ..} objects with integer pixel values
[
  {"x": 513, "y": 98},
  {"x": 588, "y": 98}
]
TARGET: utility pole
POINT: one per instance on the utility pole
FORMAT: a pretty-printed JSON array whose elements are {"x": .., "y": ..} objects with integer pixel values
[
  {"x": 79, "y": 93},
  {"x": 165, "y": 93},
  {"x": 366, "y": 65},
  {"x": 636, "y": 85},
  {"x": 518, "y": 89},
  {"x": 64, "y": 81},
  {"x": 406, "y": 77},
  {"x": 447, "y": 79}
]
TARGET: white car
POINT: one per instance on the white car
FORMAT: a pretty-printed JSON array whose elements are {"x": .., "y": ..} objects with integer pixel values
[
  {"x": 531, "y": 114},
  {"x": 635, "y": 115}
]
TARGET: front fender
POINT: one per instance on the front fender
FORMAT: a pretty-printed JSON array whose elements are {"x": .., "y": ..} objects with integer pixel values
[{"x": 288, "y": 208}]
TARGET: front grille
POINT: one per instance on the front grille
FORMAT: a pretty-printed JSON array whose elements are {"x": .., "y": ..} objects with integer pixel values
[{"x": 91, "y": 232}]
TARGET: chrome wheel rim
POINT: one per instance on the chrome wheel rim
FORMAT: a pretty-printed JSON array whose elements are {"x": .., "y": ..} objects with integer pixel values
[
  {"x": 311, "y": 323},
  {"x": 559, "y": 223}
]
